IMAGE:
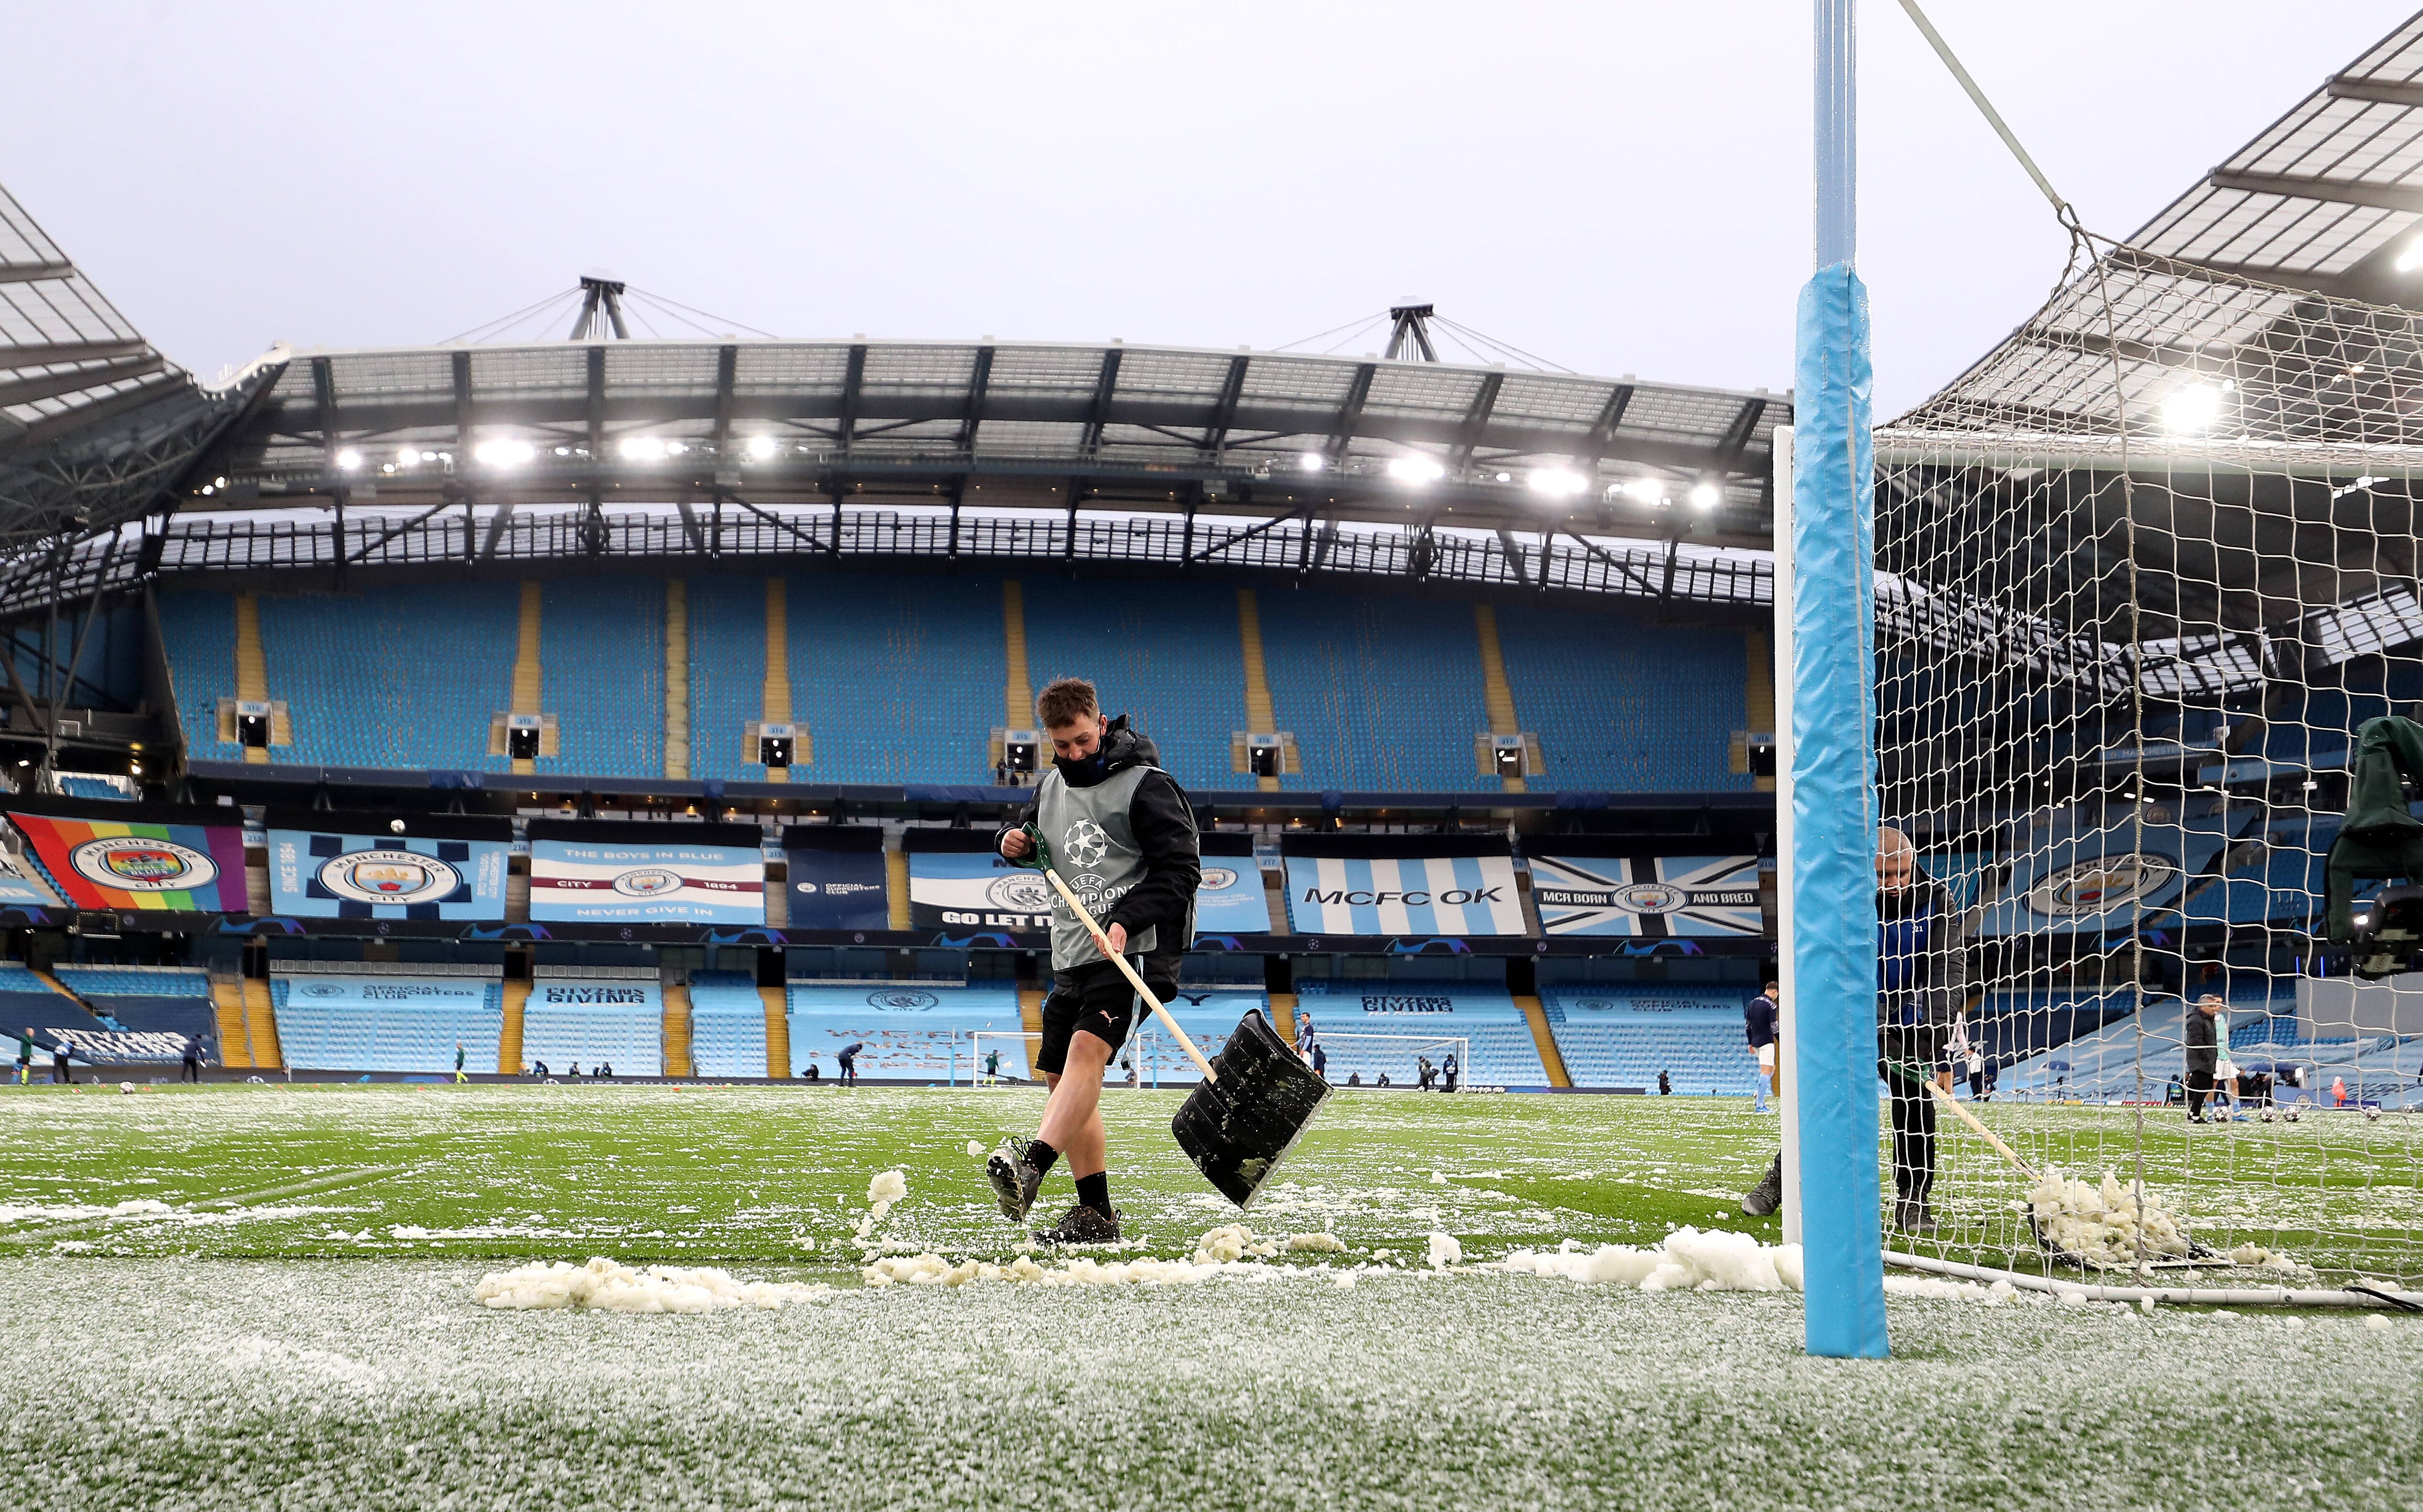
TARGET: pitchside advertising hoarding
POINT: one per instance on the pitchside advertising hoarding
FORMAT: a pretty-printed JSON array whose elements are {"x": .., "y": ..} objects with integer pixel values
[
  {"x": 1650, "y": 896},
  {"x": 603, "y": 872},
  {"x": 337, "y": 867},
  {"x": 136, "y": 864}
]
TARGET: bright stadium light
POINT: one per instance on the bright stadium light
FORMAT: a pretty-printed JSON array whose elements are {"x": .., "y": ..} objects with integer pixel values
[
  {"x": 1646, "y": 490},
  {"x": 2412, "y": 258},
  {"x": 1310, "y": 461},
  {"x": 1706, "y": 496},
  {"x": 643, "y": 449},
  {"x": 349, "y": 460},
  {"x": 2192, "y": 409},
  {"x": 761, "y": 447},
  {"x": 1414, "y": 470},
  {"x": 1505, "y": 478},
  {"x": 406, "y": 457},
  {"x": 502, "y": 453},
  {"x": 1557, "y": 482}
]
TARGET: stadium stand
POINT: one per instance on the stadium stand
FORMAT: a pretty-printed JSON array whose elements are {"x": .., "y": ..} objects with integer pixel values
[
  {"x": 1209, "y": 1015},
  {"x": 134, "y": 981},
  {"x": 1383, "y": 691},
  {"x": 594, "y": 1017},
  {"x": 77, "y": 786},
  {"x": 898, "y": 678},
  {"x": 2113, "y": 1064},
  {"x": 360, "y": 1021},
  {"x": 727, "y": 673},
  {"x": 149, "y": 999},
  {"x": 1166, "y": 653},
  {"x": 1503, "y": 1053},
  {"x": 1623, "y": 1036},
  {"x": 727, "y": 1032},
  {"x": 911, "y": 1030},
  {"x": 197, "y": 637},
  {"x": 1622, "y": 705},
  {"x": 353, "y": 671},
  {"x": 2284, "y": 885},
  {"x": 603, "y": 658}
]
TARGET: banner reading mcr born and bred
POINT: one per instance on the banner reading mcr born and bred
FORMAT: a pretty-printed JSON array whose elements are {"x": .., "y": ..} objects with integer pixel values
[
  {"x": 1355, "y": 886},
  {"x": 600, "y": 872},
  {"x": 345, "y": 866},
  {"x": 1648, "y": 896}
]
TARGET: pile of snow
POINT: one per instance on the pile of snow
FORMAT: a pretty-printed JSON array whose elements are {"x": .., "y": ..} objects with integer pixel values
[
  {"x": 1445, "y": 1251},
  {"x": 975, "y": 1151},
  {"x": 1231, "y": 1242},
  {"x": 608, "y": 1287},
  {"x": 2106, "y": 1225},
  {"x": 2259, "y": 1258},
  {"x": 882, "y": 1189},
  {"x": 68, "y": 1212},
  {"x": 1686, "y": 1260},
  {"x": 1323, "y": 1243}
]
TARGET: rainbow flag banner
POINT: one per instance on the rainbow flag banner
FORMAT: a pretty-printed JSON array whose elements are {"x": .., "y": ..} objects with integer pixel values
[{"x": 117, "y": 864}]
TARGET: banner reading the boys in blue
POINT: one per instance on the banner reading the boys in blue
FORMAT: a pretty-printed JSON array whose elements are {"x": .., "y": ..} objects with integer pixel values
[
  {"x": 600, "y": 872},
  {"x": 836, "y": 877},
  {"x": 1647, "y": 895},
  {"x": 347, "y": 866}
]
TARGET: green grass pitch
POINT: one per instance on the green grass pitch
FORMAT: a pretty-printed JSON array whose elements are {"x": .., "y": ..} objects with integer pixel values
[{"x": 314, "y": 1342}]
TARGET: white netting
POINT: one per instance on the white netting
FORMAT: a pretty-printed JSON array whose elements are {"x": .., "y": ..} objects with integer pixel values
[{"x": 2141, "y": 574}]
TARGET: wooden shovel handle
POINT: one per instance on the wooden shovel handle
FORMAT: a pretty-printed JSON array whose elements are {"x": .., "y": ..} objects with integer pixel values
[
  {"x": 1102, "y": 943},
  {"x": 1987, "y": 1134}
]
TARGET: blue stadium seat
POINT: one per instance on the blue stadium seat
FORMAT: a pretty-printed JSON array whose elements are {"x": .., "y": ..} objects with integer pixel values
[
  {"x": 1623, "y": 1036},
  {"x": 347, "y": 1036},
  {"x": 198, "y": 636},
  {"x": 1624, "y": 705},
  {"x": 602, "y": 653},
  {"x": 1383, "y": 691},
  {"x": 1168, "y": 653},
  {"x": 356, "y": 673},
  {"x": 727, "y": 1024},
  {"x": 911, "y": 1030},
  {"x": 899, "y": 678},
  {"x": 727, "y": 675},
  {"x": 1504, "y": 1054},
  {"x": 134, "y": 981}
]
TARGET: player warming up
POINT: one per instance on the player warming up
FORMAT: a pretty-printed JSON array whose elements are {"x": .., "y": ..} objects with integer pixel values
[{"x": 1119, "y": 831}]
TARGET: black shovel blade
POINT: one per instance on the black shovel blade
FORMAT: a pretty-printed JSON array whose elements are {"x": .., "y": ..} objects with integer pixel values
[{"x": 1237, "y": 1127}]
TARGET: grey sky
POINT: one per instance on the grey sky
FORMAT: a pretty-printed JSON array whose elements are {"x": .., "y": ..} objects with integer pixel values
[{"x": 1621, "y": 187}]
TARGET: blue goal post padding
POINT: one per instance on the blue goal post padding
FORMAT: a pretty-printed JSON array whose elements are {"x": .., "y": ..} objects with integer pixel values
[{"x": 1833, "y": 833}]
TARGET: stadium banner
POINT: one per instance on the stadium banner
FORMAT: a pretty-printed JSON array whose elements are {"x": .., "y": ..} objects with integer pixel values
[
  {"x": 331, "y": 870},
  {"x": 2076, "y": 877},
  {"x": 837, "y": 878},
  {"x": 607, "y": 873},
  {"x": 1450, "y": 895},
  {"x": 1619, "y": 1003},
  {"x": 22, "y": 886},
  {"x": 1651, "y": 896},
  {"x": 621, "y": 995},
  {"x": 1232, "y": 900},
  {"x": 103, "y": 1046},
  {"x": 975, "y": 889},
  {"x": 139, "y": 865},
  {"x": 389, "y": 992}
]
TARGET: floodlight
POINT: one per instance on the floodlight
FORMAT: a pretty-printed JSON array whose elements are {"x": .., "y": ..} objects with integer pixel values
[
  {"x": 2412, "y": 258},
  {"x": 1415, "y": 470},
  {"x": 761, "y": 447},
  {"x": 643, "y": 447},
  {"x": 1706, "y": 496},
  {"x": 1310, "y": 461},
  {"x": 1505, "y": 478},
  {"x": 2192, "y": 409},
  {"x": 348, "y": 460},
  {"x": 504, "y": 453},
  {"x": 1558, "y": 483},
  {"x": 1647, "y": 490}
]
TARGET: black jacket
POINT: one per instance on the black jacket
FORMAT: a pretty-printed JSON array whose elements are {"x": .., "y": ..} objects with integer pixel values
[
  {"x": 2203, "y": 1039},
  {"x": 1758, "y": 1020},
  {"x": 1164, "y": 822},
  {"x": 1921, "y": 969}
]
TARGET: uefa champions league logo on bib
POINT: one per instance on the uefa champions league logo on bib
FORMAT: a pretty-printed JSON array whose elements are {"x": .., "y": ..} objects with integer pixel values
[
  {"x": 2105, "y": 882},
  {"x": 1085, "y": 842}
]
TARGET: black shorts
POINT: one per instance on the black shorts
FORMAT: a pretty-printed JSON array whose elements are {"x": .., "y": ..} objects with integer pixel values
[{"x": 1096, "y": 998}]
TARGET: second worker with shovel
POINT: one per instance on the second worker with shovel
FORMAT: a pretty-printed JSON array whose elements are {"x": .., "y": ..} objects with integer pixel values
[{"x": 1119, "y": 831}]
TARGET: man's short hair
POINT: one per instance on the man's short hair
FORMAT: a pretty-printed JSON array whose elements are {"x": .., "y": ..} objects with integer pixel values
[{"x": 1064, "y": 701}]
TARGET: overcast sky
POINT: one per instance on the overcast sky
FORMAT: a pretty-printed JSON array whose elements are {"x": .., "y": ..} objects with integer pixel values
[{"x": 1621, "y": 187}]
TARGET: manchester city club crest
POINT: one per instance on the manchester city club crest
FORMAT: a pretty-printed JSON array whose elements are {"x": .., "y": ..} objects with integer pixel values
[
  {"x": 1218, "y": 879},
  {"x": 1084, "y": 843},
  {"x": 390, "y": 876},
  {"x": 903, "y": 1001},
  {"x": 1018, "y": 893},
  {"x": 648, "y": 882},
  {"x": 1652, "y": 898},
  {"x": 2105, "y": 882},
  {"x": 131, "y": 864}
]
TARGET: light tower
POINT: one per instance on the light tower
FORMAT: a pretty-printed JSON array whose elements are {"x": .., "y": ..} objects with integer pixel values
[{"x": 601, "y": 305}]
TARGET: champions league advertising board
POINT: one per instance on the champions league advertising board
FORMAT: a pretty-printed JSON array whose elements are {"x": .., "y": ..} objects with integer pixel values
[
  {"x": 314, "y": 875},
  {"x": 975, "y": 889}
]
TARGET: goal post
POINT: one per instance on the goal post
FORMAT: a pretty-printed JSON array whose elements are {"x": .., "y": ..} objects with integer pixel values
[
  {"x": 1011, "y": 1044},
  {"x": 1399, "y": 1056}
]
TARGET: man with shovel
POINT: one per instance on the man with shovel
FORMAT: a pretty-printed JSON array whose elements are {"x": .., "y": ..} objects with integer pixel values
[{"x": 1120, "y": 832}]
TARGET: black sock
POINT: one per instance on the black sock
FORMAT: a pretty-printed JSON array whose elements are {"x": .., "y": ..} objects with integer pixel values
[
  {"x": 1094, "y": 1191},
  {"x": 1040, "y": 1156}
]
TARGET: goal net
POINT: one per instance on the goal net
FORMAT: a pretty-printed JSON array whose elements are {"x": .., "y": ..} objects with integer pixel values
[
  {"x": 2142, "y": 576},
  {"x": 1400, "y": 1059}
]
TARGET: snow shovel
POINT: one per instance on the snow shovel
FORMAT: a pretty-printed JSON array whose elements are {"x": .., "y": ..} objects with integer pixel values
[
  {"x": 1255, "y": 1100},
  {"x": 2197, "y": 1252}
]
